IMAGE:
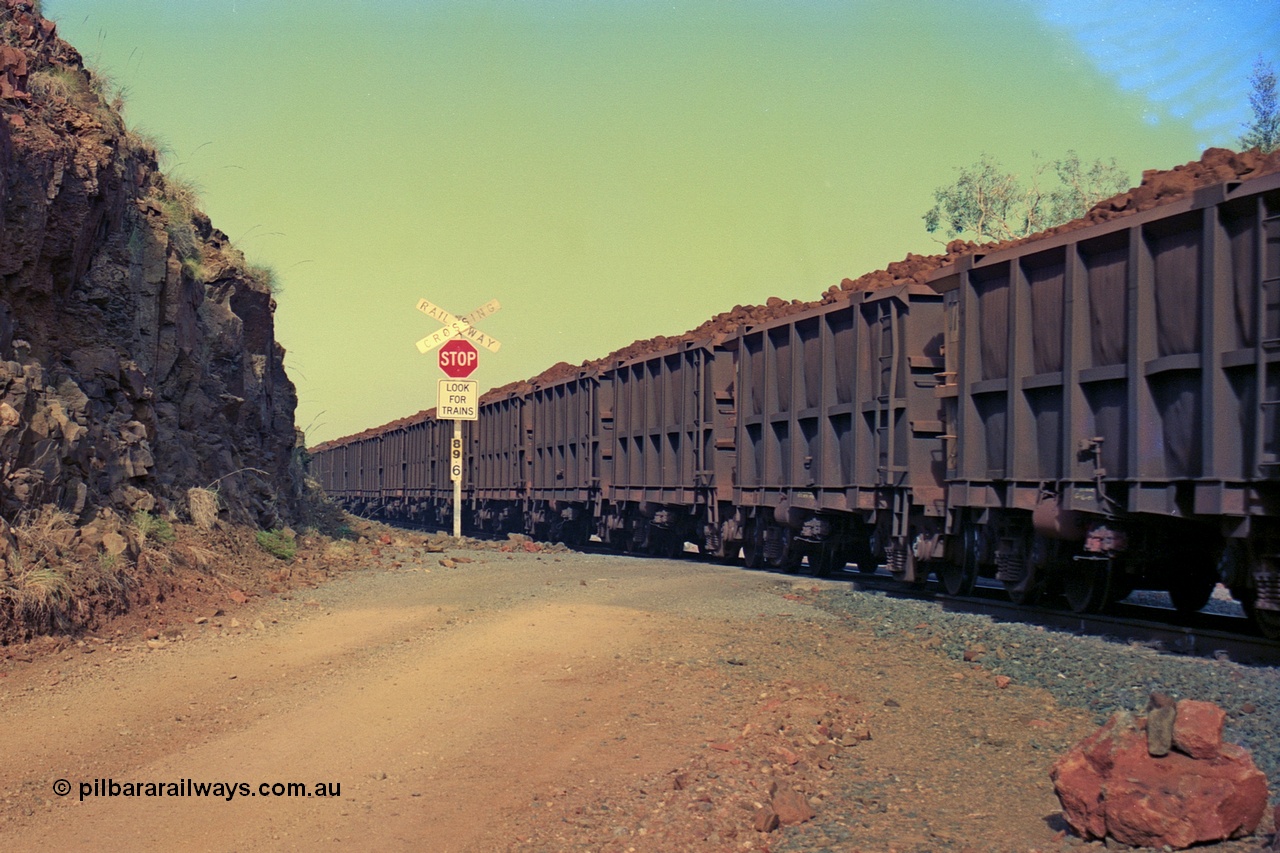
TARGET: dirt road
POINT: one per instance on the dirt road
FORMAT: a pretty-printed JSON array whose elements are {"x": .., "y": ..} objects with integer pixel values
[{"x": 516, "y": 702}]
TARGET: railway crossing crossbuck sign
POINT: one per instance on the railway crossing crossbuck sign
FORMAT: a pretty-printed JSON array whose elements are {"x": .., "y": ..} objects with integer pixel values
[{"x": 455, "y": 327}]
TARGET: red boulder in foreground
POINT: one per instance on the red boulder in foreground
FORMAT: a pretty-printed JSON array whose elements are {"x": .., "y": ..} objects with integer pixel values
[{"x": 1109, "y": 785}]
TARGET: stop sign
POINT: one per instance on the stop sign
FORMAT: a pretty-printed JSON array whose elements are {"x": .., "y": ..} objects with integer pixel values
[{"x": 458, "y": 358}]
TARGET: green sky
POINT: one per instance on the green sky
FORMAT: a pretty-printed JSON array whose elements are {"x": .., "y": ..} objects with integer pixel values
[{"x": 608, "y": 170}]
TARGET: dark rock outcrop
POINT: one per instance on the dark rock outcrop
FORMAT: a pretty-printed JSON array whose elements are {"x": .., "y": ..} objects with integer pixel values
[{"x": 137, "y": 348}]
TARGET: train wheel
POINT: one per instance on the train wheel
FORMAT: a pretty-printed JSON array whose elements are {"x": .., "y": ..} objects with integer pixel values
[
  {"x": 654, "y": 546},
  {"x": 1026, "y": 588},
  {"x": 820, "y": 561},
  {"x": 1191, "y": 589},
  {"x": 1268, "y": 622},
  {"x": 958, "y": 580},
  {"x": 623, "y": 540},
  {"x": 867, "y": 553},
  {"x": 580, "y": 534},
  {"x": 668, "y": 544},
  {"x": 784, "y": 552},
  {"x": 790, "y": 559},
  {"x": 825, "y": 559},
  {"x": 1089, "y": 585},
  {"x": 867, "y": 564},
  {"x": 753, "y": 550},
  {"x": 1022, "y": 592},
  {"x": 961, "y": 579}
]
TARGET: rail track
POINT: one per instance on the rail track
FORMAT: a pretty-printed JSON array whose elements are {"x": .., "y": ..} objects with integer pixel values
[{"x": 1203, "y": 634}]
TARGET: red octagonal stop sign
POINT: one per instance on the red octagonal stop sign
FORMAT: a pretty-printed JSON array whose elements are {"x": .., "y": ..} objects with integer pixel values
[{"x": 458, "y": 358}]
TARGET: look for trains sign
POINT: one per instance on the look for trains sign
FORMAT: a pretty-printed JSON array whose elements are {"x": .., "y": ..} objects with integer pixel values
[{"x": 456, "y": 400}]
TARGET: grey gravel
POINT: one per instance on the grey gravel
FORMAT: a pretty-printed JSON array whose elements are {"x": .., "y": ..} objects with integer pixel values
[{"x": 1087, "y": 672}]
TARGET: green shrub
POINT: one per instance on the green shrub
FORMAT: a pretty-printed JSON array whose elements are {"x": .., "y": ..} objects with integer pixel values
[
  {"x": 180, "y": 200},
  {"x": 277, "y": 543},
  {"x": 153, "y": 527},
  {"x": 194, "y": 270},
  {"x": 264, "y": 275}
]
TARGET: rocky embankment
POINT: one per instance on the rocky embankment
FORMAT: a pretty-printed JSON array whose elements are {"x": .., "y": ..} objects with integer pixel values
[{"x": 138, "y": 357}]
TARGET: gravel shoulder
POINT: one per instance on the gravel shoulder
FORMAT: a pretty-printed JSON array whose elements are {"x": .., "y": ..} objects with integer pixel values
[{"x": 559, "y": 701}]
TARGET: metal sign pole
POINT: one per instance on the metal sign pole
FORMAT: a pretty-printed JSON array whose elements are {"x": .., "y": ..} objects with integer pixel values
[{"x": 455, "y": 468}]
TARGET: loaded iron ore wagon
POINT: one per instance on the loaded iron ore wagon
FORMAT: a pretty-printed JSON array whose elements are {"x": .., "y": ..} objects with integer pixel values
[
  {"x": 1084, "y": 413},
  {"x": 1112, "y": 395}
]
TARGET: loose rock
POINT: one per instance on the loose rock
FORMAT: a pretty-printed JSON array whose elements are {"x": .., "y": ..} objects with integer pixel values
[
  {"x": 1111, "y": 786},
  {"x": 792, "y": 808},
  {"x": 1197, "y": 731}
]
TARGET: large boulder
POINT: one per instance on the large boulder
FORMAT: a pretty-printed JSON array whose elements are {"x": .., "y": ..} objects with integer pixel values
[{"x": 1111, "y": 785}]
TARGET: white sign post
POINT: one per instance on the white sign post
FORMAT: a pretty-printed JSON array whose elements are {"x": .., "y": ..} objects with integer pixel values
[{"x": 457, "y": 398}]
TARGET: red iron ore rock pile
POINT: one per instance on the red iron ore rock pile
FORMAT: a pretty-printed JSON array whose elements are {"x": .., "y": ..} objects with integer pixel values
[
  {"x": 1157, "y": 187},
  {"x": 1117, "y": 783}
]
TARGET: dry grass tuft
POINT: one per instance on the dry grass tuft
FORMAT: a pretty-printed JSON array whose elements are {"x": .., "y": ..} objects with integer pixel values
[
  {"x": 203, "y": 506},
  {"x": 183, "y": 192},
  {"x": 57, "y": 83},
  {"x": 137, "y": 139},
  {"x": 192, "y": 556},
  {"x": 44, "y": 534},
  {"x": 339, "y": 549},
  {"x": 41, "y": 594},
  {"x": 104, "y": 577},
  {"x": 155, "y": 560}
]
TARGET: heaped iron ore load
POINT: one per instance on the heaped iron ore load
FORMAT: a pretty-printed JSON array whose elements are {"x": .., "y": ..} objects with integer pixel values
[{"x": 1086, "y": 413}]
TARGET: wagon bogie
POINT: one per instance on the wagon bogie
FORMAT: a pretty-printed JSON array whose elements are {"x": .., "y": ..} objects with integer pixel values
[{"x": 497, "y": 518}]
